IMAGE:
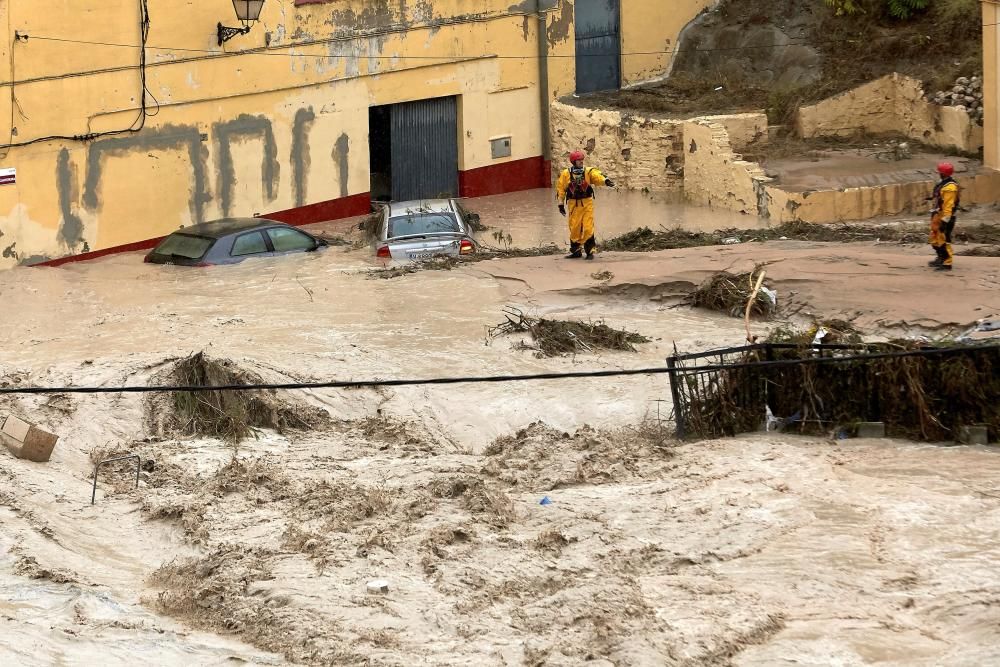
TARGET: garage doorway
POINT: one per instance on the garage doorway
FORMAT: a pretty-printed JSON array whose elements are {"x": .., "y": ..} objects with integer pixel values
[
  {"x": 414, "y": 150},
  {"x": 598, "y": 45}
]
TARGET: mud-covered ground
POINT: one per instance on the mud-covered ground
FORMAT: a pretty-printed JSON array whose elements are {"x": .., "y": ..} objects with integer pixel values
[{"x": 760, "y": 550}]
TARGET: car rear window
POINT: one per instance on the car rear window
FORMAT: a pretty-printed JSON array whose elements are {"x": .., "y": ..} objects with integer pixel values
[
  {"x": 422, "y": 223},
  {"x": 184, "y": 245}
]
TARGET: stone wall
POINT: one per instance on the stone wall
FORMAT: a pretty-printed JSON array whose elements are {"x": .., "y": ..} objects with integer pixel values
[
  {"x": 638, "y": 152},
  {"x": 641, "y": 152},
  {"x": 716, "y": 176},
  {"x": 892, "y": 104}
]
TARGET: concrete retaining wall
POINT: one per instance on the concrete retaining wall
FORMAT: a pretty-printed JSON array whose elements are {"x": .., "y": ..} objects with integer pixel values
[
  {"x": 821, "y": 206},
  {"x": 892, "y": 104},
  {"x": 716, "y": 176}
]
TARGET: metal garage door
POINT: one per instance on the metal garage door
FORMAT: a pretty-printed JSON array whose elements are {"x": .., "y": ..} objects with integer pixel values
[
  {"x": 425, "y": 149},
  {"x": 598, "y": 45}
]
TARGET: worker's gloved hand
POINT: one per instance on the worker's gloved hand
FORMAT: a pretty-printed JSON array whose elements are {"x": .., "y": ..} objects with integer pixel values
[
  {"x": 608, "y": 182},
  {"x": 562, "y": 209}
]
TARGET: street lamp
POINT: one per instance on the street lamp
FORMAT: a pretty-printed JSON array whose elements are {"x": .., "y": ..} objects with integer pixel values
[{"x": 247, "y": 11}]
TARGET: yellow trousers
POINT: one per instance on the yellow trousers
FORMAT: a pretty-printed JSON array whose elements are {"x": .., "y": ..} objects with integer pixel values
[
  {"x": 940, "y": 239},
  {"x": 580, "y": 217}
]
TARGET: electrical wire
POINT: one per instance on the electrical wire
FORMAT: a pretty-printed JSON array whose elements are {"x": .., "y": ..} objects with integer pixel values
[
  {"x": 272, "y": 50},
  {"x": 136, "y": 125},
  {"x": 357, "y": 384}
]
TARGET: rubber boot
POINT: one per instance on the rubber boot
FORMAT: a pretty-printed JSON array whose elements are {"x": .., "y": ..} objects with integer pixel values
[
  {"x": 574, "y": 251},
  {"x": 589, "y": 247},
  {"x": 941, "y": 256}
]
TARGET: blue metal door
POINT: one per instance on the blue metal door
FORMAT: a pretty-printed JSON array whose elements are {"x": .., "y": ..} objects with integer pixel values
[
  {"x": 425, "y": 149},
  {"x": 598, "y": 45}
]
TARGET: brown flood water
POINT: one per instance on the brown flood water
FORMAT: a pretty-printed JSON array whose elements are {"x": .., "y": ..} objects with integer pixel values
[{"x": 760, "y": 550}]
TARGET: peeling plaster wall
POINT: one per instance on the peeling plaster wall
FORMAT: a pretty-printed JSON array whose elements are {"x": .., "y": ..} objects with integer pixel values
[
  {"x": 638, "y": 152},
  {"x": 714, "y": 174},
  {"x": 893, "y": 103}
]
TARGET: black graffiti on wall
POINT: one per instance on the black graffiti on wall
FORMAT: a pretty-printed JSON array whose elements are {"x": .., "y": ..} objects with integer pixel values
[
  {"x": 189, "y": 139},
  {"x": 242, "y": 127},
  {"x": 300, "y": 152},
  {"x": 165, "y": 138}
]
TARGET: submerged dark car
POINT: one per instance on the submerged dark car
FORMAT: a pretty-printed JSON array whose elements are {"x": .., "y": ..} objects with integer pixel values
[{"x": 230, "y": 241}]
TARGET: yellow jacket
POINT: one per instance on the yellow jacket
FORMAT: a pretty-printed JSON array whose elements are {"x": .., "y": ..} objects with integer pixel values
[
  {"x": 947, "y": 199},
  {"x": 591, "y": 177}
]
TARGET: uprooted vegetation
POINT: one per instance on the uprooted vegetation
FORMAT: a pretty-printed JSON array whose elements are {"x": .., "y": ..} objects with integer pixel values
[
  {"x": 735, "y": 295},
  {"x": 232, "y": 415},
  {"x": 553, "y": 338},
  {"x": 648, "y": 240},
  {"x": 449, "y": 262}
]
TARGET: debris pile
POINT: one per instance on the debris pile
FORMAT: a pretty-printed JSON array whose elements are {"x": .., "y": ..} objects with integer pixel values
[
  {"x": 553, "y": 338},
  {"x": 966, "y": 94},
  {"x": 231, "y": 415},
  {"x": 729, "y": 293}
]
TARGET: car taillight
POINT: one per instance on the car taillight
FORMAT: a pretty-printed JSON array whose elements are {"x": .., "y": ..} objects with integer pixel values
[
  {"x": 466, "y": 247},
  {"x": 383, "y": 251}
]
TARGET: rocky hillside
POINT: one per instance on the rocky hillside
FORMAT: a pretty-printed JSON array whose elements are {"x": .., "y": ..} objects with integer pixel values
[{"x": 746, "y": 54}]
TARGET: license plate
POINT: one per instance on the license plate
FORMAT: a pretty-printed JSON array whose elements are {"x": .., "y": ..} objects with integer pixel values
[{"x": 421, "y": 255}]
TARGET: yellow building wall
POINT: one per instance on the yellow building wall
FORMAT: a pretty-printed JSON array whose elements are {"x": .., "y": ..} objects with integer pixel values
[
  {"x": 991, "y": 91},
  {"x": 650, "y": 32},
  {"x": 275, "y": 120}
]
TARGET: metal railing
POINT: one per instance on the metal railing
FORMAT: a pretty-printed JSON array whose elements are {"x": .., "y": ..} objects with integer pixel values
[{"x": 732, "y": 390}]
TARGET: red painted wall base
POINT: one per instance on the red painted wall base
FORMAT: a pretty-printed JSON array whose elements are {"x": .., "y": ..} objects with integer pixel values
[{"x": 514, "y": 176}]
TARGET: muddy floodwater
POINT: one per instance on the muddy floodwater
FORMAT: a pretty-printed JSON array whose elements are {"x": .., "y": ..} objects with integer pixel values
[{"x": 539, "y": 523}]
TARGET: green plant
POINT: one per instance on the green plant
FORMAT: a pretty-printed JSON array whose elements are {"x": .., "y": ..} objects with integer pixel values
[
  {"x": 904, "y": 9},
  {"x": 898, "y": 9},
  {"x": 845, "y": 7}
]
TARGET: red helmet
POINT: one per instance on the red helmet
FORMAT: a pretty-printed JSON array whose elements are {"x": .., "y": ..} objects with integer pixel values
[
  {"x": 946, "y": 169},
  {"x": 577, "y": 155}
]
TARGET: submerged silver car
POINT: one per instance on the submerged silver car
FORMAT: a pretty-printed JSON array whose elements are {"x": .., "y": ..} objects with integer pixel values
[{"x": 415, "y": 230}]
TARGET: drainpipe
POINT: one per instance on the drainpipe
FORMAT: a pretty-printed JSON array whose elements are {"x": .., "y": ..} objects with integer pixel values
[{"x": 543, "y": 92}]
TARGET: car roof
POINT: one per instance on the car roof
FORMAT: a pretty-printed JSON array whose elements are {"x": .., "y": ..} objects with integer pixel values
[
  {"x": 398, "y": 208},
  {"x": 216, "y": 229}
]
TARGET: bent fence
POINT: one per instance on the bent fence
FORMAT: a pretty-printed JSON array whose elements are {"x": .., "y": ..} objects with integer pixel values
[{"x": 923, "y": 394}]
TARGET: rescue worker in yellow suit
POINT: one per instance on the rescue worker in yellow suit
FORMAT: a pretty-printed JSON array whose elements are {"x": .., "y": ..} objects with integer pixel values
[
  {"x": 946, "y": 198},
  {"x": 575, "y": 191}
]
